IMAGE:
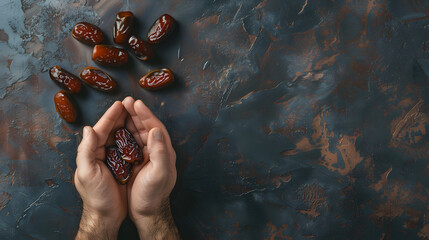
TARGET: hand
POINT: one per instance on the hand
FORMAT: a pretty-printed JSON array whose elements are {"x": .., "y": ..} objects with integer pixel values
[
  {"x": 104, "y": 200},
  {"x": 152, "y": 182}
]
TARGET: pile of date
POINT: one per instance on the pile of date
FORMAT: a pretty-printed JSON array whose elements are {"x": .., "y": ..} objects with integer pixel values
[
  {"x": 106, "y": 55},
  {"x": 121, "y": 158}
]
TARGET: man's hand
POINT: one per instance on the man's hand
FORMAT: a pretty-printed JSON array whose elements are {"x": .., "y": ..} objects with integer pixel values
[
  {"x": 152, "y": 182},
  {"x": 104, "y": 200}
]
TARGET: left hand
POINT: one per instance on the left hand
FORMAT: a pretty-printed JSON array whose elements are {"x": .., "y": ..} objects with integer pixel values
[{"x": 104, "y": 200}]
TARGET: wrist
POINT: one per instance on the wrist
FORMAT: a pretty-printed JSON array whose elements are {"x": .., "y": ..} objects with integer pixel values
[
  {"x": 95, "y": 226},
  {"x": 159, "y": 225}
]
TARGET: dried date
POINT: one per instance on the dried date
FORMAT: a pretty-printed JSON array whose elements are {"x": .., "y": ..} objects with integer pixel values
[
  {"x": 141, "y": 49},
  {"x": 65, "y": 79},
  {"x": 119, "y": 168},
  {"x": 109, "y": 55},
  {"x": 128, "y": 147},
  {"x": 161, "y": 29},
  {"x": 157, "y": 79},
  {"x": 123, "y": 27},
  {"x": 87, "y": 33},
  {"x": 65, "y": 107},
  {"x": 97, "y": 79}
]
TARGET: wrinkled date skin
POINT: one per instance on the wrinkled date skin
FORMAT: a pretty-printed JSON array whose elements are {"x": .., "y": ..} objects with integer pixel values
[
  {"x": 87, "y": 33},
  {"x": 65, "y": 79},
  {"x": 109, "y": 55},
  {"x": 123, "y": 27},
  {"x": 119, "y": 168},
  {"x": 141, "y": 49},
  {"x": 128, "y": 146},
  {"x": 65, "y": 107},
  {"x": 161, "y": 29},
  {"x": 157, "y": 79},
  {"x": 97, "y": 79}
]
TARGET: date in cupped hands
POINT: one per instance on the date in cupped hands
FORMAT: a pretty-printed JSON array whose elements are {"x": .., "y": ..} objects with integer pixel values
[
  {"x": 120, "y": 169},
  {"x": 121, "y": 157}
]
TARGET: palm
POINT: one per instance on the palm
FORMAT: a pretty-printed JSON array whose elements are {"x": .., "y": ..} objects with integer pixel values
[
  {"x": 148, "y": 189},
  {"x": 111, "y": 195}
]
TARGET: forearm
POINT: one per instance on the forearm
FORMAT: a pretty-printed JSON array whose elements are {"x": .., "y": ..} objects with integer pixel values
[
  {"x": 95, "y": 227},
  {"x": 159, "y": 226}
]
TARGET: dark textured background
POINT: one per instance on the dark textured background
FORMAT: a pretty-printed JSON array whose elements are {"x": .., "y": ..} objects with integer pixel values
[{"x": 292, "y": 119}]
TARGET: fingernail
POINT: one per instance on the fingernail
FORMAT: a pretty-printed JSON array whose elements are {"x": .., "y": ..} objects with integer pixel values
[
  {"x": 157, "y": 134},
  {"x": 85, "y": 131}
]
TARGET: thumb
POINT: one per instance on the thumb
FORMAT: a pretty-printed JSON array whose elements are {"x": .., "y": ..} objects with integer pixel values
[
  {"x": 86, "y": 150},
  {"x": 157, "y": 149}
]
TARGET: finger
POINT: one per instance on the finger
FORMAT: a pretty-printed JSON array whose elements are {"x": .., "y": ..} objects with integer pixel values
[
  {"x": 129, "y": 124},
  {"x": 142, "y": 131},
  {"x": 146, "y": 116},
  {"x": 106, "y": 123},
  {"x": 86, "y": 150},
  {"x": 150, "y": 121},
  {"x": 135, "y": 171},
  {"x": 157, "y": 149},
  {"x": 119, "y": 123}
]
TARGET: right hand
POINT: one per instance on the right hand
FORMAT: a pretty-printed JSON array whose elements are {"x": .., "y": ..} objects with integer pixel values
[{"x": 152, "y": 182}]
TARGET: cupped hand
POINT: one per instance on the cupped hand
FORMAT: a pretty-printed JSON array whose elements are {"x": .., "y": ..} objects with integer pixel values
[
  {"x": 152, "y": 181},
  {"x": 104, "y": 200}
]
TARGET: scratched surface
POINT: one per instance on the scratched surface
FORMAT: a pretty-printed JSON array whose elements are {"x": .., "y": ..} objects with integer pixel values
[{"x": 298, "y": 119}]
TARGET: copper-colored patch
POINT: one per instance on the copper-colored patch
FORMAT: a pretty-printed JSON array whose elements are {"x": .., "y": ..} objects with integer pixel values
[
  {"x": 383, "y": 180},
  {"x": 314, "y": 197},
  {"x": 275, "y": 232},
  {"x": 4, "y": 200},
  {"x": 3, "y": 36}
]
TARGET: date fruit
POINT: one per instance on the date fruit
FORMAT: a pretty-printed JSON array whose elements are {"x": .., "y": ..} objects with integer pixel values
[
  {"x": 157, "y": 79},
  {"x": 65, "y": 107},
  {"x": 119, "y": 168},
  {"x": 65, "y": 79},
  {"x": 123, "y": 27},
  {"x": 160, "y": 30},
  {"x": 87, "y": 33},
  {"x": 97, "y": 79},
  {"x": 128, "y": 146},
  {"x": 141, "y": 49},
  {"x": 109, "y": 55}
]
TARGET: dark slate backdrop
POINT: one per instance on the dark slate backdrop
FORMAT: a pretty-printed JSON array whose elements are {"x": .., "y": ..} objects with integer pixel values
[{"x": 291, "y": 119}]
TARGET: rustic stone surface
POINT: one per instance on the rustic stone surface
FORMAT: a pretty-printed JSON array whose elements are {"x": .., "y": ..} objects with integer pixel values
[{"x": 291, "y": 119}]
